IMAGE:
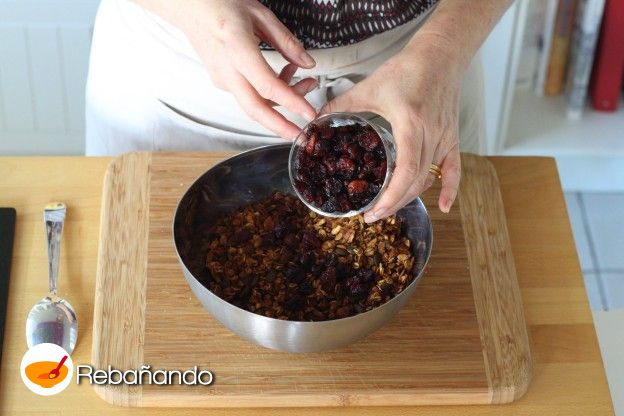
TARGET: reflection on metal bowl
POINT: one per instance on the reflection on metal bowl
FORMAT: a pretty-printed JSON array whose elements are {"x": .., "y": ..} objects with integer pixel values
[{"x": 246, "y": 178}]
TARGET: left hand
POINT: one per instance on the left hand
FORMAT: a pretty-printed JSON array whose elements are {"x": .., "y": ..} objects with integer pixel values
[{"x": 417, "y": 91}]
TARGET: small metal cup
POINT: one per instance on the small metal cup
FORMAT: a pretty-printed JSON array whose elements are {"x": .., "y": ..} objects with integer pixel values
[{"x": 336, "y": 120}]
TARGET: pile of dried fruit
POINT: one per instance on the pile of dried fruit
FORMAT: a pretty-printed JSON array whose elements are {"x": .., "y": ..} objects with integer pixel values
[
  {"x": 340, "y": 169},
  {"x": 277, "y": 258}
]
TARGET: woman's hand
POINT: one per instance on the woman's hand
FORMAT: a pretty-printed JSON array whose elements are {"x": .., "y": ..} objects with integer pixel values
[
  {"x": 226, "y": 35},
  {"x": 417, "y": 91}
]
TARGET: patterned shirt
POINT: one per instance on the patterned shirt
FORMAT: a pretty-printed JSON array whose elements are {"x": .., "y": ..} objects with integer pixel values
[{"x": 329, "y": 23}]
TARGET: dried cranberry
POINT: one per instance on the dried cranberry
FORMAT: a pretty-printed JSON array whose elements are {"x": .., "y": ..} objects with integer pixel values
[
  {"x": 342, "y": 272},
  {"x": 305, "y": 288},
  {"x": 329, "y": 274},
  {"x": 328, "y": 279},
  {"x": 332, "y": 186},
  {"x": 353, "y": 151},
  {"x": 281, "y": 228},
  {"x": 380, "y": 152},
  {"x": 355, "y": 287},
  {"x": 345, "y": 167},
  {"x": 311, "y": 143},
  {"x": 319, "y": 199},
  {"x": 316, "y": 269},
  {"x": 339, "y": 165},
  {"x": 241, "y": 236},
  {"x": 331, "y": 205},
  {"x": 326, "y": 131},
  {"x": 374, "y": 188},
  {"x": 307, "y": 258},
  {"x": 366, "y": 170},
  {"x": 367, "y": 200},
  {"x": 291, "y": 240},
  {"x": 357, "y": 187},
  {"x": 304, "y": 161},
  {"x": 320, "y": 172},
  {"x": 294, "y": 302},
  {"x": 366, "y": 275},
  {"x": 330, "y": 164},
  {"x": 295, "y": 275},
  {"x": 307, "y": 194},
  {"x": 321, "y": 148},
  {"x": 331, "y": 260},
  {"x": 369, "y": 140},
  {"x": 300, "y": 186},
  {"x": 380, "y": 171},
  {"x": 343, "y": 311},
  {"x": 344, "y": 205},
  {"x": 310, "y": 240},
  {"x": 268, "y": 240}
]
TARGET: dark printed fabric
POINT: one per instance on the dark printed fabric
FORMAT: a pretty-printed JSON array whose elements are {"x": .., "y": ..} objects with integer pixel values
[{"x": 328, "y": 23}]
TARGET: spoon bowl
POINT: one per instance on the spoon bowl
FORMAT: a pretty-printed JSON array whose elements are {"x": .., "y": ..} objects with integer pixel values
[{"x": 52, "y": 319}]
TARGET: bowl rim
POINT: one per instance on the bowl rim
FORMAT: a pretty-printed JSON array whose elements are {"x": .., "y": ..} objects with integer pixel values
[
  {"x": 378, "y": 129},
  {"x": 358, "y": 316}
]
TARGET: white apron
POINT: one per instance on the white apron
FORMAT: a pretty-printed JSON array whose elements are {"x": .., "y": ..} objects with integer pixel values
[{"x": 147, "y": 89}]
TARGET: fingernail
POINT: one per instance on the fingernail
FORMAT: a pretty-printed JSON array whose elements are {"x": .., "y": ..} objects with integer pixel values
[
  {"x": 307, "y": 60},
  {"x": 373, "y": 216},
  {"x": 446, "y": 207}
]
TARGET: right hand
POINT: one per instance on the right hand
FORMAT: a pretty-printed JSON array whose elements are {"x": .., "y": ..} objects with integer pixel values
[{"x": 226, "y": 35}]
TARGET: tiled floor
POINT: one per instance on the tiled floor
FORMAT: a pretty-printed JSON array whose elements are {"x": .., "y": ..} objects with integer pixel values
[{"x": 598, "y": 226}]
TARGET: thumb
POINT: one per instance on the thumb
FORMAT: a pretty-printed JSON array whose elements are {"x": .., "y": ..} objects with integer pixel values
[{"x": 342, "y": 103}]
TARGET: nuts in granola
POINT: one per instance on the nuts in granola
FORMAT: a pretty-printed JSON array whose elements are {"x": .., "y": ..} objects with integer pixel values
[{"x": 277, "y": 258}]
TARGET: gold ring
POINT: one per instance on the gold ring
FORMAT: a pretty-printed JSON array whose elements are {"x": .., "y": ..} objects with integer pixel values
[{"x": 435, "y": 169}]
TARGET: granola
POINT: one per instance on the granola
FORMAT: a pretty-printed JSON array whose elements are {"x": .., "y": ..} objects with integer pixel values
[{"x": 277, "y": 258}]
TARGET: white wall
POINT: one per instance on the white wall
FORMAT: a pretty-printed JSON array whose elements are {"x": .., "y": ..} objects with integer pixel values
[
  {"x": 44, "y": 50},
  {"x": 498, "y": 72}
]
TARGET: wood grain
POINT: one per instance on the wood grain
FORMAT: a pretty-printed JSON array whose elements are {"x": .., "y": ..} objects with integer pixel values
[
  {"x": 506, "y": 347},
  {"x": 440, "y": 349},
  {"x": 119, "y": 321},
  {"x": 568, "y": 377}
]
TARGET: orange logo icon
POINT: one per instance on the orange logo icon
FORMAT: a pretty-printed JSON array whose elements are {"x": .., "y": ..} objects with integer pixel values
[
  {"x": 46, "y": 369},
  {"x": 47, "y": 373}
]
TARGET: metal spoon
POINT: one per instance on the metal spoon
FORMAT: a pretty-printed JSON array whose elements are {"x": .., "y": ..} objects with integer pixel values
[{"x": 53, "y": 319}]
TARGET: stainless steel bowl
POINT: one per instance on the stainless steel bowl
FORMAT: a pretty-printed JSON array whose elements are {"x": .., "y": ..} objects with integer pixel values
[{"x": 248, "y": 177}]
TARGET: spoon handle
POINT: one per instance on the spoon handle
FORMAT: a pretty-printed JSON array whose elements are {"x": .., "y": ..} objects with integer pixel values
[
  {"x": 54, "y": 217},
  {"x": 60, "y": 364}
]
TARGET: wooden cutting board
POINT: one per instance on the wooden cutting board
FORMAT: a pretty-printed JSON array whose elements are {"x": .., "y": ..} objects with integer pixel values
[{"x": 461, "y": 339}]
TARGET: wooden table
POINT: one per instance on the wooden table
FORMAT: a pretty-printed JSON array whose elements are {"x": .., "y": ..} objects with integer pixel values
[{"x": 568, "y": 378}]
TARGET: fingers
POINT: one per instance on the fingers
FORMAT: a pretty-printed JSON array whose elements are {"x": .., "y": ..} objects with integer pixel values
[
  {"x": 357, "y": 99},
  {"x": 411, "y": 175},
  {"x": 423, "y": 179},
  {"x": 342, "y": 103},
  {"x": 304, "y": 86},
  {"x": 420, "y": 184},
  {"x": 260, "y": 109},
  {"x": 287, "y": 73},
  {"x": 409, "y": 148},
  {"x": 249, "y": 62},
  {"x": 279, "y": 37},
  {"x": 451, "y": 174}
]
